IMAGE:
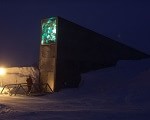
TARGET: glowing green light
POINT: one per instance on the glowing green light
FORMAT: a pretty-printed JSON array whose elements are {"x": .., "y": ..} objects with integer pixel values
[{"x": 48, "y": 31}]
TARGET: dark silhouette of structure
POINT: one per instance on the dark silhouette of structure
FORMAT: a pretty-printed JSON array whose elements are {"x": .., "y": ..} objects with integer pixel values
[{"x": 67, "y": 50}]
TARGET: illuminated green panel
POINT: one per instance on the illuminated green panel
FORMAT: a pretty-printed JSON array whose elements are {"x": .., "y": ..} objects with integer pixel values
[{"x": 48, "y": 31}]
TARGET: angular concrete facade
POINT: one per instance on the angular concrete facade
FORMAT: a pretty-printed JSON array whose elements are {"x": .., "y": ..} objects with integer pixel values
[{"x": 77, "y": 50}]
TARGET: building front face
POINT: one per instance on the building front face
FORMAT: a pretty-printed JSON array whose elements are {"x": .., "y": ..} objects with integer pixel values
[
  {"x": 67, "y": 50},
  {"x": 58, "y": 67},
  {"x": 48, "y": 51}
]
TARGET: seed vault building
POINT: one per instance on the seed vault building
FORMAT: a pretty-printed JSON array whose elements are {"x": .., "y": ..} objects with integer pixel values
[{"x": 67, "y": 50}]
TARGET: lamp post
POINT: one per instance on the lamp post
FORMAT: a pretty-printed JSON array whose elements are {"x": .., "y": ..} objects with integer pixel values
[{"x": 2, "y": 73}]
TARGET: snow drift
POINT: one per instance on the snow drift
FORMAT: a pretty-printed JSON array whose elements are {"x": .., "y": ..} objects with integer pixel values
[{"x": 128, "y": 82}]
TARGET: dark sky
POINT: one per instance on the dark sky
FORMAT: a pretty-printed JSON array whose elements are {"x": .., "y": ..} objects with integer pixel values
[{"x": 127, "y": 21}]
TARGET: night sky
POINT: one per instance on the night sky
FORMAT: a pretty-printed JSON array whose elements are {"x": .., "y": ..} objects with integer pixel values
[{"x": 127, "y": 21}]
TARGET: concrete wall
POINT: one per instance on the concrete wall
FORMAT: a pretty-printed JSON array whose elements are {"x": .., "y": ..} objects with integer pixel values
[
  {"x": 47, "y": 64},
  {"x": 81, "y": 50}
]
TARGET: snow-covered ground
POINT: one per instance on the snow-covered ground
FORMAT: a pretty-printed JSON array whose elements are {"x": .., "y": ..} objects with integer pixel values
[{"x": 117, "y": 93}]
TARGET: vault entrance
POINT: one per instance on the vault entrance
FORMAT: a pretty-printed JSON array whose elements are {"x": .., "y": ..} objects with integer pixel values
[{"x": 48, "y": 51}]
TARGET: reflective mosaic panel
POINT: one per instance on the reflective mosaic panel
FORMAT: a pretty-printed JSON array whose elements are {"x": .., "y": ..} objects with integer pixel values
[{"x": 48, "y": 31}]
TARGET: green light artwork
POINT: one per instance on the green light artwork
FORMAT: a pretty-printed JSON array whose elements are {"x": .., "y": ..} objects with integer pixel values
[{"x": 48, "y": 31}]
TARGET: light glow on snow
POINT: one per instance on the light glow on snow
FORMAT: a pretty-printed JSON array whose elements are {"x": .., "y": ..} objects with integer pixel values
[{"x": 2, "y": 71}]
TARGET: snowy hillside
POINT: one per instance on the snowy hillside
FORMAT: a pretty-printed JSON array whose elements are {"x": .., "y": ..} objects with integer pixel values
[
  {"x": 129, "y": 80},
  {"x": 116, "y": 93}
]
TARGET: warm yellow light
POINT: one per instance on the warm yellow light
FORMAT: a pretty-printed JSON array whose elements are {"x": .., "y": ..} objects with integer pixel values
[{"x": 2, "y": 71}]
